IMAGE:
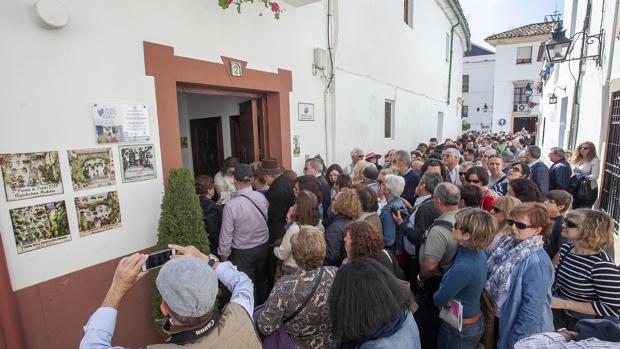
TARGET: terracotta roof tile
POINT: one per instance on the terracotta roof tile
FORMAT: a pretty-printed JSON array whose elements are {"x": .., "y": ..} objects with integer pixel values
[{"x": 524, "y": 31}]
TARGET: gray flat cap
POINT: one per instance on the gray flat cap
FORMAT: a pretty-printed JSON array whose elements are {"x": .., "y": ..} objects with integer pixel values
[{"x": 188, "y": 285}]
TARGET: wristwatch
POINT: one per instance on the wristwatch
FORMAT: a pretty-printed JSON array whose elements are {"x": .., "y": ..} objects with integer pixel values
[{"x": 213, "y": 259}]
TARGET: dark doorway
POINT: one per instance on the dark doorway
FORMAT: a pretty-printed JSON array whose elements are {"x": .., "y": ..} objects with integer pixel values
[
  {"x": 207, "y": 145},
  {"x": 528, "y": 123},
  {"x": 247, "y": 132}
]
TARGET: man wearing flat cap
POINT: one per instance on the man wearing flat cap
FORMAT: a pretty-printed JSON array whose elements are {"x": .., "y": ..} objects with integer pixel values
[
  {"x": 188, "y": 285},
  {"x": 244, "y": 236}
]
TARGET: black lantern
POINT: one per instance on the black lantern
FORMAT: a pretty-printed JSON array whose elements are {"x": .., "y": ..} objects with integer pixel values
[
  {"x": 553, "y": 99},
  {"x": 558, "y": 46}
]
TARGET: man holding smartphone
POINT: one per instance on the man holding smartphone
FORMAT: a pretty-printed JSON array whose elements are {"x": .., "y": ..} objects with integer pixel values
[{"x": 188, "y": 285}]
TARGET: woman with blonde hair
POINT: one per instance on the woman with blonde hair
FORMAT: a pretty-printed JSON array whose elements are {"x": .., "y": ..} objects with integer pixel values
[
  {"x": 465, "y": 280},
  {"x": 299, "y": 301},
  {"x": 586, "y": 165},
  {"x": 520, "y": 276},
  {"x": 587, "y": 282},
  {"x": 502, "y": 206},
  {"x": 347, "y": 208}
]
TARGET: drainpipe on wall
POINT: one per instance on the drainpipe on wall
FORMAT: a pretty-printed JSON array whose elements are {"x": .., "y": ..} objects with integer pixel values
[{"x": 450, "y": 67}]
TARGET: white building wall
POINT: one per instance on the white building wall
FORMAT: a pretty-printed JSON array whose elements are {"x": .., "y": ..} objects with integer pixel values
[
  {"x": 594, "y": 101},
  {"x": 507, "y": 71},
  {"x": 396, "y": 62},
  {"x": 481, "y": 70},
  {"x": 50, "y": 79}
]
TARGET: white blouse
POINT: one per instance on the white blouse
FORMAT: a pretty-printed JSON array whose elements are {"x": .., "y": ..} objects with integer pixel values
[{"x": 590, "y": 168}]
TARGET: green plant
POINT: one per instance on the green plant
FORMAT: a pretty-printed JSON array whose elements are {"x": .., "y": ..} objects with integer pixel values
[
  {"x": 466, "y": 125},
  {"x": 181, "y": 220},
  {"x": 272, "y": 5}
]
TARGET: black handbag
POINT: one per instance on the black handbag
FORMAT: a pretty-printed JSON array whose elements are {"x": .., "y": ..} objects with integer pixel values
[{"x": 584, "y": 190}]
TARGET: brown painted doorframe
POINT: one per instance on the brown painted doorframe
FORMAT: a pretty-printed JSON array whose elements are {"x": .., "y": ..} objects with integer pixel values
[{"x": 170, "y": 70}]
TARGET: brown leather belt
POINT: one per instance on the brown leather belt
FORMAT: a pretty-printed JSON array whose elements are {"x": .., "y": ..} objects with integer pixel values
[{"x": 472, "y": 320}]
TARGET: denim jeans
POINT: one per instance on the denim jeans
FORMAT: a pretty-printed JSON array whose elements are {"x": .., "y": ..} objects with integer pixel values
[{"x": 468, "y": 338}]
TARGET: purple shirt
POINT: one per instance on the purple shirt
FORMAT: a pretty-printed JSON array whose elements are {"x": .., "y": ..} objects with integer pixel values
[{"x": 243, "y": 226}]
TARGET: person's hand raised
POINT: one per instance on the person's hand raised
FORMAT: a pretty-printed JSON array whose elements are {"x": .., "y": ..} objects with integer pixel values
[{"x": 128, "y": 272}]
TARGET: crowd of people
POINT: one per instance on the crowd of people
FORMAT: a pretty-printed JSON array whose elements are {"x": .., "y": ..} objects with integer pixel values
[{"x": 471, "y": 243}]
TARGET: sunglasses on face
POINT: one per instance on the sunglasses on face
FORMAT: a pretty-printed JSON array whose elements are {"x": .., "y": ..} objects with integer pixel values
[
  {"x": 571, "y": 224},
  {"x": 496, "y": 209},
  {"x": 474, "y": 181},
  {"x": 519, "y": 225},
  {"x": 515, "y": 169}
]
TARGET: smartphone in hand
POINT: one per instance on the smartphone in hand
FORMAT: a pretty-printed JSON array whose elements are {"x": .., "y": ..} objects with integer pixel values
[{"x": 157, "y": 259}]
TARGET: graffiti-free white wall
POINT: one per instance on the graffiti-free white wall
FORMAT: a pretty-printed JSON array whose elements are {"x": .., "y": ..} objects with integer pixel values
[
  {"x": 507, "y": 72},
  {"x": 481, "y": 71}
]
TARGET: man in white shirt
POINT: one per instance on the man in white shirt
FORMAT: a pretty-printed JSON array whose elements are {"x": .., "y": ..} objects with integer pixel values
[{"x": 450, "y": 158}]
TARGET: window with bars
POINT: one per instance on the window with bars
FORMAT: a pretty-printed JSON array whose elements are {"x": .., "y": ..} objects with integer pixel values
[
  {"x": 524, "y": 54},
  {"x": 610, "y": 193},
  {"x": 465, "y": 83},
  {"x": 520, "y": 99},
  {"x": 389, "y": 119}
]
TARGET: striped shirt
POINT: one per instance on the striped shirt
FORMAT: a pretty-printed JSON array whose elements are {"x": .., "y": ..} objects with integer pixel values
[{"x": 594, "y": 279}]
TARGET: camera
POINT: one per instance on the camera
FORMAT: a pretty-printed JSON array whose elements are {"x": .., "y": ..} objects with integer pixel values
[{"x": 403, "y": 211}]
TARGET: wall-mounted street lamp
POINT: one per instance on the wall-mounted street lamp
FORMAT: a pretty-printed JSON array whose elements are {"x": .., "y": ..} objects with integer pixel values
[
  {"x": 553, "y": 99},
  {"x": 559, "y": 47}
]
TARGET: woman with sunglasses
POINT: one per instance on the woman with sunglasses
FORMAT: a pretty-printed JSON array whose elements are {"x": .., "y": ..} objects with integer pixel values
[
  {"x": 586, "y": 163},
  {"x": 520, "y": 277},
  {"x": 516, "y": 171},
  {"x": 479, "y": 177},
  {"x": 464, "y": 281},
  {"x": 502, "y": 206},
  {"x": 587, "y": 282}
]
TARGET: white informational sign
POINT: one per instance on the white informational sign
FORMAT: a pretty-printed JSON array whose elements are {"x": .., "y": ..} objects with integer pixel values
[
  {"x": 306, "y": 112},
  {"x": 116, "y": 123}
]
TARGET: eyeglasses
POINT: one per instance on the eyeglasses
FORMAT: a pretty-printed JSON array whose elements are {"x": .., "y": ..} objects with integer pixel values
[
  {"x": 584, "y": 148},
  {"x": 474, "y": 181},
  {"x": 571, "y": 224},
  {"x": 515, "y": 169},
  {"x": 497, "y": 210},
  {"x": 519, "y": 225}
]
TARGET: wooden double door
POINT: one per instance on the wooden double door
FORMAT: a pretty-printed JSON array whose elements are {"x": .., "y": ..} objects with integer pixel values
[{"x": 247, "y": 137}]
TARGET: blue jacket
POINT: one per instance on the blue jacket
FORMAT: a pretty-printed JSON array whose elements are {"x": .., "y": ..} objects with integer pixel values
[
  {"x": 408, "y": 337},
  {"x": 411, "y": 183},
  {"x": 527, "y": 310},
  {"x": 334, "y": 239},
  {"x": 559, "y": 176},
  {"x": 387, "y": 221},
  {"x": 539, "y": 174}
]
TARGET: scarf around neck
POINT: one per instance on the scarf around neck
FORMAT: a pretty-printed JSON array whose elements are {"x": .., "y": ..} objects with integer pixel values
[{"x": 504, "y": 259}]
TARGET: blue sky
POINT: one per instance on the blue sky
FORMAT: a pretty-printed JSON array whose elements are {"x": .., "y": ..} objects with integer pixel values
[{"x": 487, "y": 17}]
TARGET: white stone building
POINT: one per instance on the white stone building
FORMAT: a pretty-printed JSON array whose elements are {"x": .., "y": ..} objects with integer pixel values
[
  {"x": 478, "y": 73},
  {"x": 216, "y": 83},
  {"x": 518, "y": 59},
  {"x": 595, "y": 114}
]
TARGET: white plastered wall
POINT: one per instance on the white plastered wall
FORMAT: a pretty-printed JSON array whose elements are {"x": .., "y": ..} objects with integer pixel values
[{"x": 50, "y": 79}]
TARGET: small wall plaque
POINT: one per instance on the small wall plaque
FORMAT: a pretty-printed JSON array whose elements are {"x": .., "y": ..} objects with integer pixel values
[
  {"x": 236, "y": 69},
  {"x": 305, "y": 112}
]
